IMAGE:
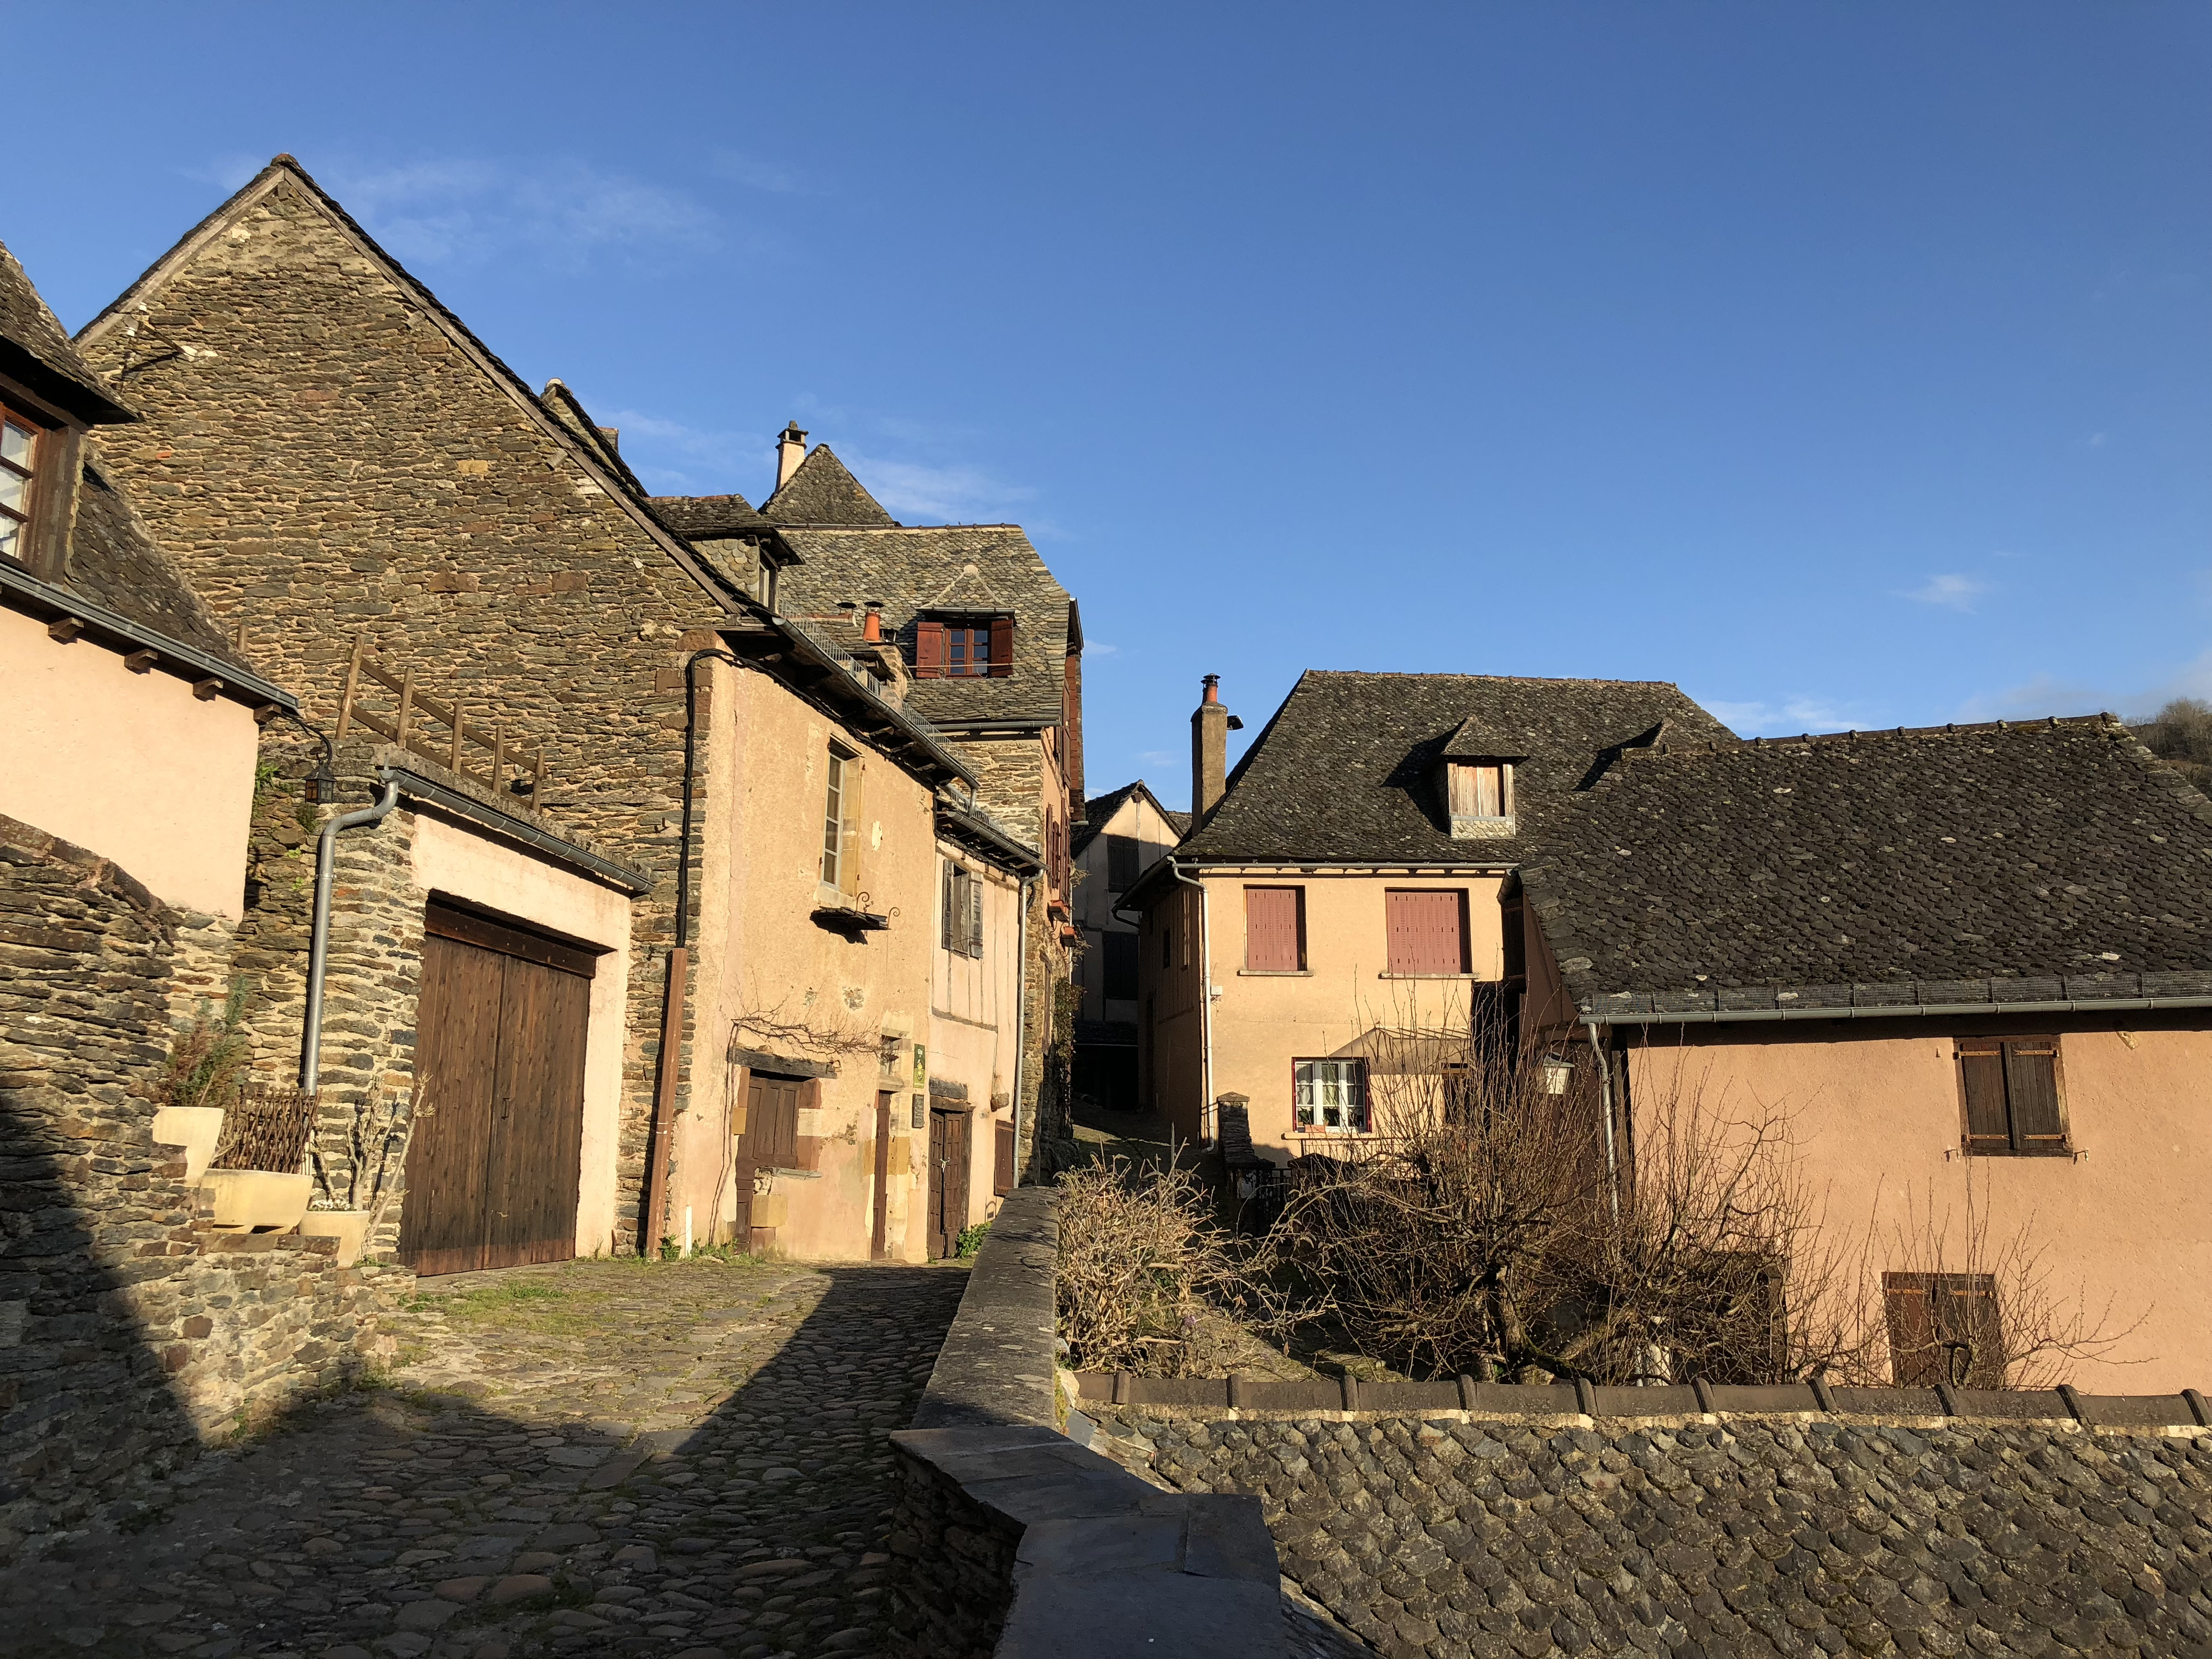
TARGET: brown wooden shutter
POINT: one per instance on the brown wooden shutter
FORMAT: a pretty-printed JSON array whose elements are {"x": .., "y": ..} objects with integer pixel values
[
  {"x": 1270, "y": 929},
  {"x": 1120, "y": 862},
  {"x": 1915, "y": 1361},
  {"x": 1002, "y": 1162},
  {"x": 1426, "y": 931},
  {"x": 1982, "y": 1078},
  {"x": 947, "y": 906},
  {"x": 929, "y": 651},
  {"x": 974, "y": 916},
  {"x": 2030, "y": 1069},
  {"x": 1120, "y": 975},
  {"x": 1002, "y": 648},
  {"x": 1516, "y": 926},
  {"x": 1968, "y": 1328}
]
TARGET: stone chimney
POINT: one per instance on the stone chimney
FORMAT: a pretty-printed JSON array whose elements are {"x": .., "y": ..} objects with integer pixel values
[
  {"x": 790, "y": 451},
  {"x": 1210, "y": 726}
]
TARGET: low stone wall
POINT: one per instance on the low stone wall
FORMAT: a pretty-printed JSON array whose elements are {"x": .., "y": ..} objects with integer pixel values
[
  {"x": 131, "y": 1330},
  {"x": 1013, "y": 1540},
  {"x": 1455, "y": 1534}
]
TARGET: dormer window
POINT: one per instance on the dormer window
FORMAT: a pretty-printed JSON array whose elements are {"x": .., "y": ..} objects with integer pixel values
[
  {"x": 1481, "y": 794},
  {"x": 964, "y": 647},
  {"x": 19, "y": 459}
]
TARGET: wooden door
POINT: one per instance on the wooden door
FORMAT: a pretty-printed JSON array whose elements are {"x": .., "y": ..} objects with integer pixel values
[
  {"x": 494, "y": 1165},
  {"x": 770, "y": 1142},
  {"x": 948, "y": 1181}
]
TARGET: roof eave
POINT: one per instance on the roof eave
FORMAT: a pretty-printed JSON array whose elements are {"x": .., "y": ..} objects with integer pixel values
[{"x": 104, "y": 627}]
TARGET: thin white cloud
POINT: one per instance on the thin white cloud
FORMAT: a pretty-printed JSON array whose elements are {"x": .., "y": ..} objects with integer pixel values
[
  {"x": 2035, "y": 699},
  {"x": 1953, "y": 592},
  {"x": 225, "y": 172},
  {"x": 915, "y": 490},
  {"x": 1787, "y": 718},
  {"x": 466, "y": 211},
  {"x": 1100, "y": 648}
]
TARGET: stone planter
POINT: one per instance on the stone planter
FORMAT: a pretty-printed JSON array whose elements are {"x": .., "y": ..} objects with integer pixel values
[
  {"x": 195, "y": 1128},
  {"x": 258, "y": 1201},
  {"x": 348, "y": 1227}
]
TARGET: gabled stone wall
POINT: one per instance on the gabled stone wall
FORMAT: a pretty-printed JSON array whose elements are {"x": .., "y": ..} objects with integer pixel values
[{"x": 324, "y": 456}]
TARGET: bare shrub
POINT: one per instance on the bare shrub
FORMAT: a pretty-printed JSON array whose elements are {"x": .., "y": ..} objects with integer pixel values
[
  {"x": 209, "y": 1059},
  {"x": 2180, "y": 734},
  {"x": 1141, "y": 1266},
  {"x": 1495, "y": 1227}
]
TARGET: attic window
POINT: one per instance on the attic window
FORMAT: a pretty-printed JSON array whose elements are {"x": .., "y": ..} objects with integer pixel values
[
  {"x": 964, "y": 647},
  {"x": 1481, "y": 796},
  {"x": 18, "y": 456}
]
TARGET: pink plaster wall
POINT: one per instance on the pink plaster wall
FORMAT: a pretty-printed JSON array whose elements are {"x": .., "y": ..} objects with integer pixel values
[
  {"x": 1876, "y": 1115},
  {"x": 132, "y": 766}
]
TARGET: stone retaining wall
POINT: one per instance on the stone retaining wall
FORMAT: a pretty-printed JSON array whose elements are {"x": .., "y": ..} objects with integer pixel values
[
  {"x": 1013, "y": 1540},
  {"x": 131, "y": 1331},
  {"x": 1452, "y": 1534}
]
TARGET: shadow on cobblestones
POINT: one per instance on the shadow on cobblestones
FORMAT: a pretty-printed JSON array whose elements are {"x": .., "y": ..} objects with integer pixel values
[{"x": 603, "y": 1458}]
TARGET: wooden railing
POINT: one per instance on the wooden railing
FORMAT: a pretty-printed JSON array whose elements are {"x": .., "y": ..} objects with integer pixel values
[
  {"x": 405, "y": 727},
  {"x": 265, "y": 1128}
]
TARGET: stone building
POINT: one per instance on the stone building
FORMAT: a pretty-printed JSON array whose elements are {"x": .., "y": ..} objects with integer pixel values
[
  {"x": 359, "y": 485},
  {"x": 1122, "y": 835},
  {"x": 991, "y": 653}
]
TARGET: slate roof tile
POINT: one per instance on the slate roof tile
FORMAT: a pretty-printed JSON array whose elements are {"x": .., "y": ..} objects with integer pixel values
[
  {"x": 1345, "y": 771},
  {"x": 35, "y": 349},
  {"x": 822, "y": 492},
  {"x": 1944, "y": 865},
  {"x": 907, "y": 568},
  {"x": 115, "y": 563}
]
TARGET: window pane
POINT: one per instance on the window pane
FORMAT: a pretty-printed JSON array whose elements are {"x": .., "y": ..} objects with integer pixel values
[
  {"x": 16, "y": 443},
  {"x": 833, "y": 819},
  {"x": 9, "y": 535},
  {"x": 12, "y": 491}
]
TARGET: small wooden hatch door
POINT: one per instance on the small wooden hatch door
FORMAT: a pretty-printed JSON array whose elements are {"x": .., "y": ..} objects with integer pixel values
[{"x": 494, "y": 1165}]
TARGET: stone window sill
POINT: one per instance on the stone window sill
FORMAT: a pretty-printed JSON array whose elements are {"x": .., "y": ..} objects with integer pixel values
[
  {"x": 1274, "y": 972},
  {"x": 1386, "y": 975}
]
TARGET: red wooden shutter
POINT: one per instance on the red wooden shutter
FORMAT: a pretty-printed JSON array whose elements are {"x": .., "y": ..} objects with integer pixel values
[
  {"x": 929, "y": 651},
  {"x": 2030, "y": 1070},
  {"x": 1002, "y": 648},
  {"x": 1427, "y": 932},
  {"x": 1272, "y": 930},
  {"x": 1981, "y": 1075}
]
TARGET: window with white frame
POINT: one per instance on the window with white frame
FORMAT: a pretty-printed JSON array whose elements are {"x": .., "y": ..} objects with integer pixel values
[
  {"x": 833, "y": 818},
  {"x": 1330, "y": 1095}
]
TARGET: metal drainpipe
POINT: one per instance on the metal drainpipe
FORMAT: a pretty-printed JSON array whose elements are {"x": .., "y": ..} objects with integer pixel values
[
  {"x": 1604, "y": 1094},
  {"x": 1205, "y": 995},
  {"x": 1021, "y": 1019},
  {"x": 319, "y": 943}
]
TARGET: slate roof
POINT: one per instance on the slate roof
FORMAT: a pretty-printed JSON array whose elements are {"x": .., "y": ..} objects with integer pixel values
[
  {"x": 1345, "y": 771},
  {"x": 822, "y": 492},
  {"x": 36, "y": 350},
  {"x": 2008, "y": 862},
  {"x": 909, "y": 568},
  {"x": 114, "y": 562},
  {"x": 694, "y": 517},
  {"x": 1099, "y": 808}
]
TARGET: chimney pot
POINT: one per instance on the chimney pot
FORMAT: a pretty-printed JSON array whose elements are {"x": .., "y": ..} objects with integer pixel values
[
  {"x": 872, "y": 626},
  {"x": 790, "y": 451}
]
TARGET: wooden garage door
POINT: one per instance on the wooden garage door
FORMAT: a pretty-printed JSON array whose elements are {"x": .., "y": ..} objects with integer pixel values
[{"x": 493, "y": 1169}]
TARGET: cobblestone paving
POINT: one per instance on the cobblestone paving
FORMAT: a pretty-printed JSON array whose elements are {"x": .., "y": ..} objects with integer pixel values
[{"x": 598, "y": 1458}]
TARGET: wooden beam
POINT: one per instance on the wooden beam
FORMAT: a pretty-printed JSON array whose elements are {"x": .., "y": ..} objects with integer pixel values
[
  {"x": 208, "y": 690},
  {"x": 64, "y": 628},
  {"x": 141, "y": 662}
]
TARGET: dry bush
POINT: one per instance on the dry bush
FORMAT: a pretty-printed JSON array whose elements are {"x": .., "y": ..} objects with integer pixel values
[
  {"x": 207, "y": 1059},
  {"x": 2180, "y": 734},
  {"x": 1494, "y": 1228},
  {"x": 1142, "y": 1266}
]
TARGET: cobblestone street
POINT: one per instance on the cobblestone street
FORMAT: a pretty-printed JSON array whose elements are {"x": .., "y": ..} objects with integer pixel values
[{"x": 604, "y": 1457}]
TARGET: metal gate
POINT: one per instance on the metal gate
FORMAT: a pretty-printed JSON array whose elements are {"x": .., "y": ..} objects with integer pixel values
[{"x": 493, "y": 1166}]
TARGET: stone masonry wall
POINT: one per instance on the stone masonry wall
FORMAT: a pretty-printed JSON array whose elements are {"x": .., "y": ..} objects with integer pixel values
[
  {"x": 323, "y": 458},
  {"x": 131, "y": 1332},
  {"x": 1450, "y": 1536}
]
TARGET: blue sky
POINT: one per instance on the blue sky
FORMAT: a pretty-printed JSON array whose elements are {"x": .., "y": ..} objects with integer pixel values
[{"x": 1850, "y": 365}]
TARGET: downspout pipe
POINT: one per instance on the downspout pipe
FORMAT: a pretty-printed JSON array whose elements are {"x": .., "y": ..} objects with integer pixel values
[
  {"x": 1021, "y": 1019},
  {"x": 319, "y": 942},
  {"x": 1205, "y": 995},
  {"x": 1605, "y": 1096}
]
